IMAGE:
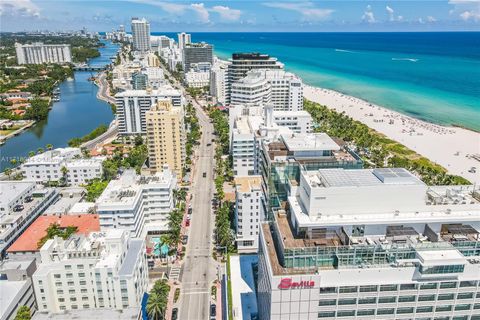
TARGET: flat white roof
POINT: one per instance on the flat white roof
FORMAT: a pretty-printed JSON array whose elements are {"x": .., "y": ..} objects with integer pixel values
[
  {"x": 9, "y": 291},
  {"x": 162, "y": 91},
  {"x": 440, "y": 257},
  {"x": 309, "y": 142},
  {"x": 9, "y": 190}
]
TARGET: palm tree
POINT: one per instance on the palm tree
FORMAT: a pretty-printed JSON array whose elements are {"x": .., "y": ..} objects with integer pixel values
[
  {"x": 40, "y": 150},
  {"x": 156, "y": 307},
  {"x": 31, "y": 154},
  {"x": 13, "y": 162},
  {"x": 49, "y": 146},
  {"x": 8, "y": 172}
]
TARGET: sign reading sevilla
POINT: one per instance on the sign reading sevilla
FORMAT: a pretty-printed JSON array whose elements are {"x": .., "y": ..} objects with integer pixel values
[{"x": 288, "y": 283}]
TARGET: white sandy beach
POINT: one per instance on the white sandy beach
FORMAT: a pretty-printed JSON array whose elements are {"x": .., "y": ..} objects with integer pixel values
[{"x": 451, "y": 147}]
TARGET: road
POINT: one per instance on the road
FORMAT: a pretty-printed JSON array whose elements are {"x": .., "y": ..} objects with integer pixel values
[
  {"x": 103, "y": 88},
  {"x": 199, "y": 269}
]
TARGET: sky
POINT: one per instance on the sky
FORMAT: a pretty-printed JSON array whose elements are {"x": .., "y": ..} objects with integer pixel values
[{"x": 238, "y": 16}]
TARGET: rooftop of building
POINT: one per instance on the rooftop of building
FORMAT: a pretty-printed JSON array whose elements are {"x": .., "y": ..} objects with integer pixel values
[
  {"x": 251, "y": 56},
  {"x": 29, "y": 239},
  {"x": 248, "y": 183},
  {"x": 54, "y": 156},
  {"x": 165, "y": 90},
  {"x": 91, "y": 314},
  {"x": 13, "y": 288},
  {"x": 9, "y": 190},
  {"x": 125, "y": 189},
  {"x": 309, "y": 142},
  {"x": 338, "y": 177}
]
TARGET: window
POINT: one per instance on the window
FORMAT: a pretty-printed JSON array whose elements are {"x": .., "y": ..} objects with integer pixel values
[
  {"x": 71, "y": 291},
  {"x": 73, "y": 299},
  {"x": 329, "y": 302},
  {"x": 460, "y": 307},
  {"x": 368, "y": 288},
  {"x": 83, "y": 282},
  {"x": 346, "y": 313},
  {"x": 387, "y": 299},
  {"x": 61, "y": 299},
  {"x": 81, "y": 274},
  {"x": 465, "y": 284},
  {"x": 347, "y": 301},
  {"x": 443, "y": 308},
  {"x": 59, "y": 291},
  {"x": 328, "y": 314},
  {"x": 465, "y": 295},
  {"x": 453, "y": 268},
  {"x": 56, "y": 276},
  {"x": 68, "y": 267},
  {"x": 74, "y": 307},
  {"x": 385, "y": 311},
  {"x": 430, "y": 297},
  {"x": 348, "y": 289},
  {"x": 366, "y": 312},
  {"x": 405, "y": 310},
  {"x": 445, "y": 296},
  {"x": 367, "y": 300},
  {"x": 388, "y": 287},
  {"x": 448, "y": 285},
  {"x": 408, "y": 286},
  {"x": 84, "y": 298},
  {"x": 406, "y": 299},
  {"x": 328, "y": 290},
  {"x": 428, "y": 286},
  {"x": 424, "y": 309}
]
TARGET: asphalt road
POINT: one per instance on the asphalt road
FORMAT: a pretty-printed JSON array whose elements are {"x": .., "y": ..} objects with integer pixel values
[{"x": 199, "y": 269}]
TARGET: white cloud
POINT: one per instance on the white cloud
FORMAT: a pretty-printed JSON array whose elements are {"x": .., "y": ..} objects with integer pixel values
[
  {"x": 368, "y": 15},
  {"x": 202, "y": 12},
  {"x": 306, "y": 9},
  {"x": 23, "y": 8},
  {"x": 227, "y": 13},
  {"x": 470, "y": 15},
  {"x": 467, "y": 10},
  {"x": 431, "y": 19},
  {"x": 390, "y": 12}
]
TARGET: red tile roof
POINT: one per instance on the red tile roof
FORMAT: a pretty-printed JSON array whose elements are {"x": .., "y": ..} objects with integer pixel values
[{"x": 85, "y": 223}]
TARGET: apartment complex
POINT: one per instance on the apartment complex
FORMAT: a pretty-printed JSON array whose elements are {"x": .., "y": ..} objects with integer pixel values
[
  {"x": 38, "y": 53},
  {"x": 371, "y": 244},
  {"x": 241, "y": 63},
  {"x": 165, "y": 137},
  {"x": 218, "y": 81},
  {"x": 196, "y": 53},
  {"x": 139, "y": 81},
  {"x": 101, "y": 270},
  {"x": 184, "y": 39},
  {"x": 282, "y": 89},
  {"x": 140, "y": 34},
  {"x": 21, "y": 202},
  {"x": 133, "y": 104},
  {"x": 249, "y": 212},
  {"x": 138, "y": 204},
  {"x": 62, "y": 164}
]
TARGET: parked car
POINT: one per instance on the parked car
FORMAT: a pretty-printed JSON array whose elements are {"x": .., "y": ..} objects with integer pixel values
[
  {"x": 213, "y": 311},
  {"x": 204, "y": 174},
  {"x": 18, "y": 207},
  {"x": 185, "y": 240},
  {"x": 175, "y": 314}
]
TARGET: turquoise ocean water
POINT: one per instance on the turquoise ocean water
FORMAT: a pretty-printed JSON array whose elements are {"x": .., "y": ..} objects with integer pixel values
[{"x": 431, "y": 76}]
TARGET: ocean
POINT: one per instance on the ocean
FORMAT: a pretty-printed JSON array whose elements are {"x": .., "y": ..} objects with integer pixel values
[{"x": 431, "y": 76}]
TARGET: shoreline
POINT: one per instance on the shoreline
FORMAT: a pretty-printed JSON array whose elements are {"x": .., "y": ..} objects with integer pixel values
[{"x": 451, "y": 147}]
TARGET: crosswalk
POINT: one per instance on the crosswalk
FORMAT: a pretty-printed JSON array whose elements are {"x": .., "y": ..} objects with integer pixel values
[{"x": 174, "y": 273}]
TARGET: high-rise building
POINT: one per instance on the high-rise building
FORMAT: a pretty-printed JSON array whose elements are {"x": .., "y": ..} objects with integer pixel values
[
  {"x": 141, "y": 34},
  {"x": 249, "y": 212},
  {"x": 38, "y": 53},
  {"x": 371, "y": 244},
  {"x": 139, "y": 204},
  {"x": 101, "y": 270},
  {"x": 132, "y": 105},
  {"x": 165, "y": 137},
  {"x": 139, "y": 81},
  {"x": 184, "y": 39},
  {"x": 218, "y": 81},
  {"x": 196, "y": 53},
  {"x": 241, "y": 63}
]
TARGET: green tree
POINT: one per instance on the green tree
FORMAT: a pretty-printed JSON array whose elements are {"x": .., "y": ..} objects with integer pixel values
[
  {"x": 23, "y": 313},
  {"x": 95, "y": 189},
  {"x": 49, "y": 146},
  {"x": 157, "y": 300}
]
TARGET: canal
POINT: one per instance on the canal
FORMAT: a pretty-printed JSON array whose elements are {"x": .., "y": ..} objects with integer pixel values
[{"x": 76, "y": 114}]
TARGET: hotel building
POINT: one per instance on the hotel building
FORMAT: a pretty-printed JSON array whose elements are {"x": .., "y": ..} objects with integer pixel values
[
  {"x": 138, "y": 204},
  {"x": 218, "y": 81},
  {"x": 249, "y": 212},
  {"x": 282, "y": 89},
  {"x": 133, "y": 104},
  {"x": 184, "y": 39},
  {"x": 241, "y": 63},
  {"x": 196, "y": 53},
  {"x": 101, "y": 270},
  {"x": 371, "y": 244},
  {"x": 38, "y": 53},
  {"x": 140, "y": 34},
  {"x": 165, "y": 137}
]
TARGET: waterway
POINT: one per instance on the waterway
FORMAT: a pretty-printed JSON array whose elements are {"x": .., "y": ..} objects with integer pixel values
[{"x": 76, "y": 114}]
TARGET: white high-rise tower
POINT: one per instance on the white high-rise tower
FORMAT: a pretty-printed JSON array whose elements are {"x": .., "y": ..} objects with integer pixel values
[{"x": 141, "y": 34}]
